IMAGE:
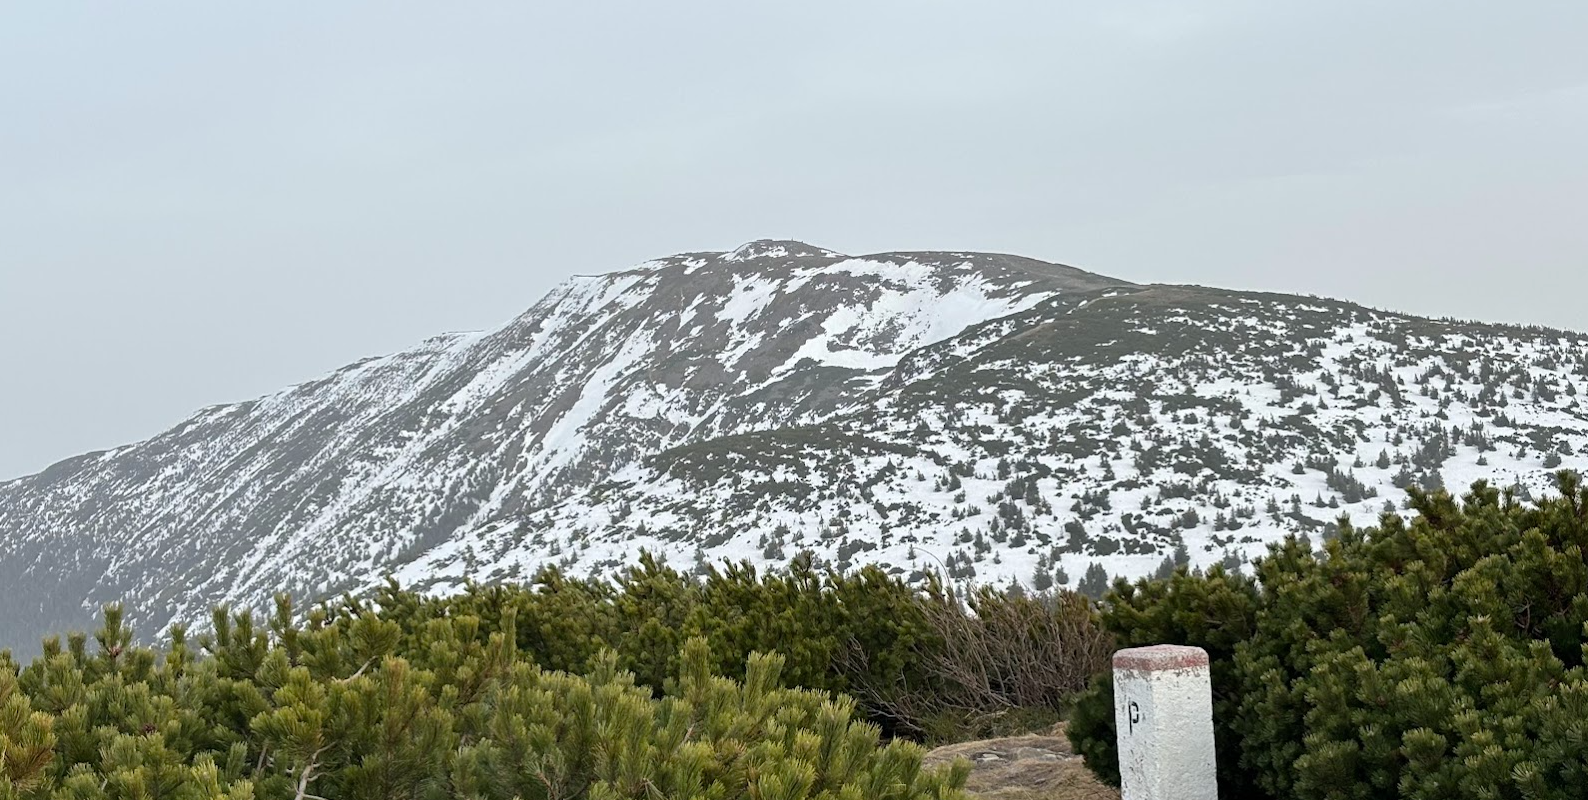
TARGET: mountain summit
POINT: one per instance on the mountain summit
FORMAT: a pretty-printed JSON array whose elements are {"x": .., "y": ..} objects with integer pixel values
[
  {"x": 778, "y": 249},
  {"x": 995, "y": 416}
]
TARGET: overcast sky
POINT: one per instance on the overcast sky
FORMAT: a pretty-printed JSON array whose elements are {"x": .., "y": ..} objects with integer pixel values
[{"x": 203, "y": 202}]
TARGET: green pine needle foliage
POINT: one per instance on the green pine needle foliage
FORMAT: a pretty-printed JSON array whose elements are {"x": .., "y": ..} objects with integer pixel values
[
  {"x": 815, "y": 619},
  {"x": 351, "y": 705},
  {"x": 1437, "y": 657},
  {"x": 901, "y": 652},
  {"x": 656, "y": 684}
]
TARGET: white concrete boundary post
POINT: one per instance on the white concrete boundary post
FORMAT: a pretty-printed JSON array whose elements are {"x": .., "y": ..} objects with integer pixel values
[{"x": 1163, "y": 705}]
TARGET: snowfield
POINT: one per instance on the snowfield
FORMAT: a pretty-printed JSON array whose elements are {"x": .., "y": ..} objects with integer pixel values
[{"x": 991, "y": 417}]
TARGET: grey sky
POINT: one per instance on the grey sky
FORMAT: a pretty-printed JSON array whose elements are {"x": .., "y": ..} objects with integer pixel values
[{"x": 202, "y": 202}]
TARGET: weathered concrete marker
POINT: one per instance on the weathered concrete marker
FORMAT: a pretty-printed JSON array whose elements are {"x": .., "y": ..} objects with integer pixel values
[{"x": 1163, "y": 705}]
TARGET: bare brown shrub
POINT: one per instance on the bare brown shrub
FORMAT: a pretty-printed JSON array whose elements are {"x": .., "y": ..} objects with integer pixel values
[{"x": 998, "y": 662}]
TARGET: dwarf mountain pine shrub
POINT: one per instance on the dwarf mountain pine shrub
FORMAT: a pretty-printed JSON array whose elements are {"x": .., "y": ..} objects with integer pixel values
[
  {"x": 1437, "y": 657},
  {"x": 929, "y": 663},
  {"x": 352, "y": 706}
]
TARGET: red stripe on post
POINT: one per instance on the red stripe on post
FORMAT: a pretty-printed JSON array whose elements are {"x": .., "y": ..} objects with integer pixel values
[{"x": 1160, "y": 657}]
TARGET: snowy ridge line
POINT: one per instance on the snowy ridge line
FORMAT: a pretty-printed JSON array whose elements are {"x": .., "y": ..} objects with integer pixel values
[
  {"x": 1003, "y": 418},
  {"x": 320, "y": 487}
]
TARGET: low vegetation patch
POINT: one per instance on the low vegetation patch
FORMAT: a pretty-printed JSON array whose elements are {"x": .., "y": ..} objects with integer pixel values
[
  {"x": 1437, "y": 657},
  {"x": 730, "y": 684},
  {"x": 933, "y": 664},
  {"x": 341, "y": 709}
]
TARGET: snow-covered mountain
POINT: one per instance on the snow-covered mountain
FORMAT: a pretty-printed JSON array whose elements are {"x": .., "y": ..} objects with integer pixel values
[{"x": 998, "y": 417}]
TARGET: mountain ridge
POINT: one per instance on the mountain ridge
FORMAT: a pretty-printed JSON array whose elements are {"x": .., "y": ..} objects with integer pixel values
[{"x": 782, "y": 396}]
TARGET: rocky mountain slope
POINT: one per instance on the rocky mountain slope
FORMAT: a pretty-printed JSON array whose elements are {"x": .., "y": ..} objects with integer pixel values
[{"x": 992, "y": 416}]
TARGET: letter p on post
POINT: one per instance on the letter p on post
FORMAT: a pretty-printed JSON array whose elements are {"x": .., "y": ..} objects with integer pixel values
[{"x": 1163, "y": 707}]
